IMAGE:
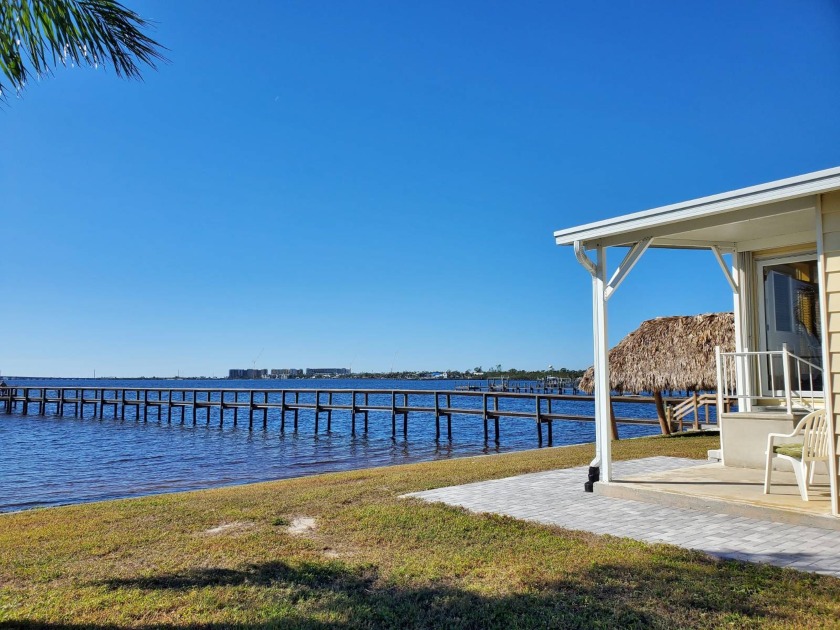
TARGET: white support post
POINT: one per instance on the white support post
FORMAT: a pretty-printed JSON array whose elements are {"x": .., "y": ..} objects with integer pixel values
[
  {"x": 596, "y": 363},
  {"x": 583, "y": 259},
  {"x": 600, "y": 293},
  {"x": 602, "y": 366},
  {"x": 743, "y": 378}
]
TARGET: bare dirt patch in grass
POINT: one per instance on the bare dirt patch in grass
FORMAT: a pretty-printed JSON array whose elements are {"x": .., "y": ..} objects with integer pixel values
[
  {"x": 302, "y": 526},
  {"x": 235, "y": 527}
]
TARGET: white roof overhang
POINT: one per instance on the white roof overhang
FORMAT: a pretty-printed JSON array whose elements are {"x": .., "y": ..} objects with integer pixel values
[{"x": 775, "y": 214}]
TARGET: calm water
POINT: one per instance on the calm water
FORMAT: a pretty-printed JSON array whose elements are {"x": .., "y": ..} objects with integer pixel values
[{"x": 46, "y": 460}]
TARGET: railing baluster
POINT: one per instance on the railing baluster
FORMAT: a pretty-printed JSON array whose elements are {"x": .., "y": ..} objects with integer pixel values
[{"x": 786, "y": 376}]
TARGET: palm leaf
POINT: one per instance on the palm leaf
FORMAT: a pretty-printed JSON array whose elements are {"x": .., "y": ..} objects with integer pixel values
[{"x": 38, "y": 35}]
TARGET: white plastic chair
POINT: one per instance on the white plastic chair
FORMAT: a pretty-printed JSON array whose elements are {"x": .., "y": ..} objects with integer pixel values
[{"x": 814, "y": 448}]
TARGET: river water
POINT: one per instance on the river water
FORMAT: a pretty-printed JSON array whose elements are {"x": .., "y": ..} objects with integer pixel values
[{"x": 48, "y": 461}]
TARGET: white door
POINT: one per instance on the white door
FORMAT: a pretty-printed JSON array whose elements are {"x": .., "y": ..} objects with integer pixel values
[{"x": 789, "y": 314}]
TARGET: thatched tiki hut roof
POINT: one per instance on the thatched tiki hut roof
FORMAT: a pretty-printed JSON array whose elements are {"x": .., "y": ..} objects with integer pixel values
[{"x": 668, "y": 353}]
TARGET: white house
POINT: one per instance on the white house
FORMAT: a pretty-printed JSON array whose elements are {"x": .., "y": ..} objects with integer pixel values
[{"x": 784, "y": 241}]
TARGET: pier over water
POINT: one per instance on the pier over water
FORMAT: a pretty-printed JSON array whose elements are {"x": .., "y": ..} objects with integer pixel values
[
  {"x": 147, "y": 445},
  {"x": 355, "y": 405}
]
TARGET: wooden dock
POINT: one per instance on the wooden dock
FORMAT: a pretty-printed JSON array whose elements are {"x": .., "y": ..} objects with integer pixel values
[
  {"x": 520, "y": 386},
  {"x": 188, "y": 404}
]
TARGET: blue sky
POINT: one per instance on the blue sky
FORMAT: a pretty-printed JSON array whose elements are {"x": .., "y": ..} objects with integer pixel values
[{"x": 376, "y": 184}]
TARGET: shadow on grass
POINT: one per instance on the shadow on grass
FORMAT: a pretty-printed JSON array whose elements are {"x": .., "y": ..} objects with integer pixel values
[
  {"x": 307, "y": 575},
  {"x": 663, "y": 593}
]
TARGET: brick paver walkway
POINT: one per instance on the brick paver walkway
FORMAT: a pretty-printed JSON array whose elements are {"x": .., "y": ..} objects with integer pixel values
[{"x": 557, "y": 498}]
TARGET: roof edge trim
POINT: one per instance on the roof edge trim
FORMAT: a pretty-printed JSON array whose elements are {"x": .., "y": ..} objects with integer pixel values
[{"x": 779, "y": 190}]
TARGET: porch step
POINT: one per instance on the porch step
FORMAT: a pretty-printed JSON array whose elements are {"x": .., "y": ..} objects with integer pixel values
[{"x": 626, "y": 490}]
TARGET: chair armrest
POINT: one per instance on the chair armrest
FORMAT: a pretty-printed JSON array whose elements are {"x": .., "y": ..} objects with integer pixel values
[
  {"x": 783, "y": 435},
  {"x": 772, "y": 436}
]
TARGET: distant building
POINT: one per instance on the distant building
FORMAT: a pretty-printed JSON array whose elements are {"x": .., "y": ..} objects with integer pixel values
[
  {"x": 286, "y": 373},
  {"x": 247, "y": 374},
  {"x": 327, "y": 371}
]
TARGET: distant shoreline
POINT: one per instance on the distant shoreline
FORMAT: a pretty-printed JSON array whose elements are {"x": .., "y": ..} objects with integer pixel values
[{"x": 454, "y": 376}]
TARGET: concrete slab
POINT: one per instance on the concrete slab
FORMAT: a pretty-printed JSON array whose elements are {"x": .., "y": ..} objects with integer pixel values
[
  {"x": 557, "y": 498},
  {"x": 736, "y": 491}
]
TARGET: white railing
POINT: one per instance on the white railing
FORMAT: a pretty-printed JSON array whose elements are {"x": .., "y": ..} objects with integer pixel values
[
  {"x": 781, "y": 373},
  {"x": 692, "y": 406}
]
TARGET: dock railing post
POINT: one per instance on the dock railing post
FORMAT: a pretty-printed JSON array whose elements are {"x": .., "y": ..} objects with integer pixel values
[
  {"x": 329, "y": 411},
  {"x": 282, "y": 411},
  {"x": 484, "y": 414},
  {"x": 251, "y": 408},
  {"x": 496, "y": 417},
  {"x": 393, "y": 414},
  {"x": 437, "y": 417},
  {"x": 265, "y": 412}
]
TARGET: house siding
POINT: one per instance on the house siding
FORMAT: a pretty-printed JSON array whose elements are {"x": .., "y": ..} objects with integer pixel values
[{"x": 830, "y": 203}]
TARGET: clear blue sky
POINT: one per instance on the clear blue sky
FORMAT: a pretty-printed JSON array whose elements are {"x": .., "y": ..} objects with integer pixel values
[{"x": 377, "y": 183}]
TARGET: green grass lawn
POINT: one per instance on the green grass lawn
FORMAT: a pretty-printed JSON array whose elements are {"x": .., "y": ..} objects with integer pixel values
[{"x": 226, "y": 558}]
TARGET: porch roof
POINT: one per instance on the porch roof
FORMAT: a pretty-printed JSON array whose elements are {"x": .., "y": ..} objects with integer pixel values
[{"x": 774, "y": 214}]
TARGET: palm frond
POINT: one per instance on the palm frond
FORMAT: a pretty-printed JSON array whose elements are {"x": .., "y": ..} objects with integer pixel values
[{"x": 38, "y": 35}]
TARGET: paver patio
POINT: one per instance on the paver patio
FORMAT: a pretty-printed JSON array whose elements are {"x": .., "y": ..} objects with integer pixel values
[{"x": 557, "y": 498}]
